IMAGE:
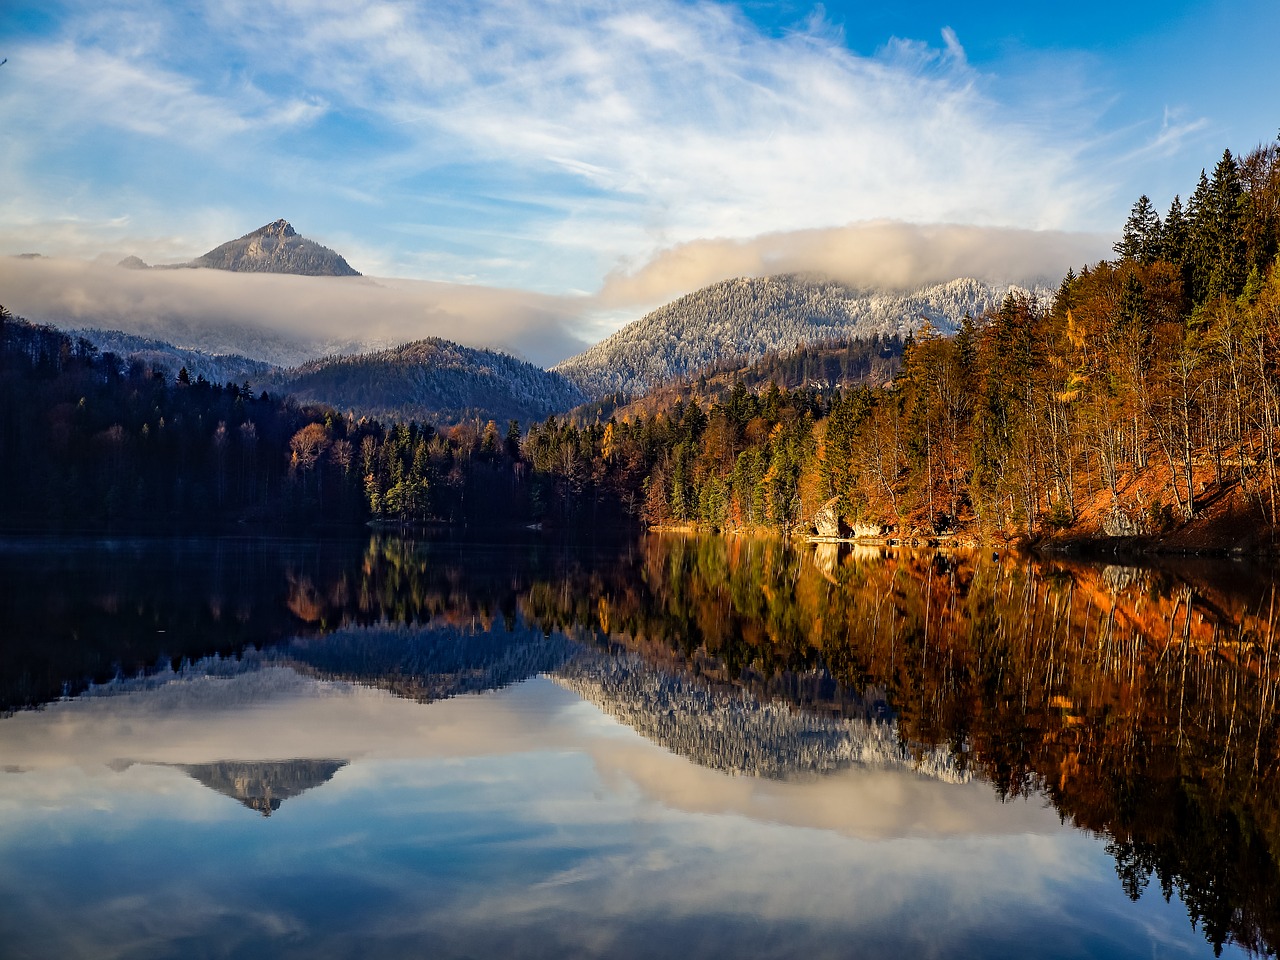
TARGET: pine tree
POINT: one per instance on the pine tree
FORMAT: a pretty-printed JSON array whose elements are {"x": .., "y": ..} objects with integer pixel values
[
  {"x": 1173, "y": 235},
  {"x": 1201, "y": 241},
  {"x": 1062, "y": 302},
  {"x": 1141, "y": 238},
  {"x": 1229, "y": 270}
]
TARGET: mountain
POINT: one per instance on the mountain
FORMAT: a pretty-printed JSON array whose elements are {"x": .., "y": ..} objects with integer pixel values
[
  {"x": 431, "y": 380},
  {"x": 276, "y": 248},
  {"x": 169, "y": 359},
  {"x": 273, "y": 248},
  {"x": 427, "y": 662},
  {"x": 816, "y": 366},
  {"x": 731, "y": 730},
  {"x": 747, "y": 318}
]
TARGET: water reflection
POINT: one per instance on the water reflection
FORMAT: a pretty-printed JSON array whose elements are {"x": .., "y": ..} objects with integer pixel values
[
  {"x": 868, "y": 693},
  {"x": 519, "y": 823},
  {"x": 260, "y": 785}
]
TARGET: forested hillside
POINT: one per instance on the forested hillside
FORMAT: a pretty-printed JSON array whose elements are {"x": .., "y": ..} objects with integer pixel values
[
  {"x": 91, "y": 442},
  {"x": 742, "y": 320},
  {"x": 1143, "y": 400},
  {"x": 824, "y": 367},
  {"x": 433, "y": 381}
]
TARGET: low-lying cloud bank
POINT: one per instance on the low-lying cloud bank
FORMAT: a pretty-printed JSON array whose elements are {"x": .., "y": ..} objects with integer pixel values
[
  {"x": 285, "y": 319},
  {"x": 883, "y": 254}
]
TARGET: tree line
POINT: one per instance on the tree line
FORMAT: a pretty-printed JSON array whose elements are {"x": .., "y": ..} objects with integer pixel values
[
  {"x": 92, "y": 441},
  {"x": 1143, "y": 395},
  {"x": 99, "y": 443}
]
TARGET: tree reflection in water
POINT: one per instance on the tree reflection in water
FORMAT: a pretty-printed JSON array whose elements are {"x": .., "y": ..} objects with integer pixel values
[{"x": 1141, "y": 701}]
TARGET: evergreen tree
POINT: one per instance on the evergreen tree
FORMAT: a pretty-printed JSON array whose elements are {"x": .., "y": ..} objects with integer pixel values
[
  {"x": 1173, "y": 235},
  {"x": 1141, "y": 238},
  {"x": 1201, "y": 241},
  {"x": 1062, "y": 302},
  {"x": 1229, "y": 270}
]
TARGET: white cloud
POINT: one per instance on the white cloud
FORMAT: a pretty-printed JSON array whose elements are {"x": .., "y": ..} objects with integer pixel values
[
  {"x": 63, "y": 86},
  {"x": 693, "y": 121},
  {"x": 287, "y": 318},
  {"x": 586, "y": 134},
  {"x": 884, "y": 254},
  {"x": 954, "y": 49}
]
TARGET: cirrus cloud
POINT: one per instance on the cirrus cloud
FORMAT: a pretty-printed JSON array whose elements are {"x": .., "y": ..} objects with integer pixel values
[{"x": 523, "y": 144}]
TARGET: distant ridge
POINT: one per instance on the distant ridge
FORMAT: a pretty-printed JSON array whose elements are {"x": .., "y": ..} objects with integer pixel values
[
  {"x": 166, "y": 357},
  {"x": 432, "y": 380},
  {"x": 273, "y": 248}
]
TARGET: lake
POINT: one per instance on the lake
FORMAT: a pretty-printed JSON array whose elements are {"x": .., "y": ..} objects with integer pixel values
[{"x": 699, "y": 747}]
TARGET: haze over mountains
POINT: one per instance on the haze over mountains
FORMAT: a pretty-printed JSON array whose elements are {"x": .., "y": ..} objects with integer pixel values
[
  {"x": 437, "y": 380},
  {"x": 167, "y": 358},
  {"x": 285, "y": 318}
]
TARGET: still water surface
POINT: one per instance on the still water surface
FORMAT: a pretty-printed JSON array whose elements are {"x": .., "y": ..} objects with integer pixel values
[{"x": 677, "y": 747}]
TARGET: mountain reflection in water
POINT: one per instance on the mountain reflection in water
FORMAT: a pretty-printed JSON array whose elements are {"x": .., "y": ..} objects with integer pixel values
[
  {"x": 260, "y": 785},
  {"x": 1140, "y": 701}
]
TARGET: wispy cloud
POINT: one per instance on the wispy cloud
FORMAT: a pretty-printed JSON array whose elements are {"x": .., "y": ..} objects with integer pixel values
[
  {"x": 64, "y": 86},
  {"x": 582, "y": 135},
  {"x": 1174, "y": 133}
]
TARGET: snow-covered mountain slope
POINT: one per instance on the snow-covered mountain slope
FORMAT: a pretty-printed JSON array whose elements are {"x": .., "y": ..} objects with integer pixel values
[{"x": 747, "y": 318}]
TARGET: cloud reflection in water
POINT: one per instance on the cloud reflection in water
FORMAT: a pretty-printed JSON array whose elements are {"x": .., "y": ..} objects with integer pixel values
[{"x": 517, "y": 822}]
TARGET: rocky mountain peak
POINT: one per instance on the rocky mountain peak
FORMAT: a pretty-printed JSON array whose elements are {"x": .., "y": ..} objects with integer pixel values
[
  {"x": 276, "y": 228},
  {"x": 276, "y": 248}
]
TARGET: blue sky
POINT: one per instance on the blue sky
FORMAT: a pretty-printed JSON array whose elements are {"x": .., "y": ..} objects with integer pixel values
[{"x": 556, "y": 147}]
